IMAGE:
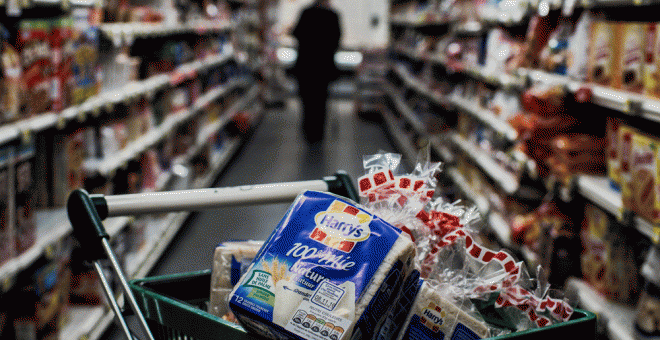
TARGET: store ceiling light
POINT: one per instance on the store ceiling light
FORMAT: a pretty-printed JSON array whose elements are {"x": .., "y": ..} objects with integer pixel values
[
  {"x": 287, "y": 54},
  {"x": 351, "y": 59}
]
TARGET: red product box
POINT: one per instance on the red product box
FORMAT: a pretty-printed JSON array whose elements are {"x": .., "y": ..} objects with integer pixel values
[
  {"x": 62, "y": 46},
  {"x": 35, "y": 51}
]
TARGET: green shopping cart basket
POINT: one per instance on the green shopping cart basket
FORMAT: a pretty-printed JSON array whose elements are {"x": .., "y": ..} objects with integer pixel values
[{"x": 175, "y": 308}]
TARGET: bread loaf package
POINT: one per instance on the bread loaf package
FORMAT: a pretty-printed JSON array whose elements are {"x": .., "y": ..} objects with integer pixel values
[
  {"x": 330, "y": 270},
  {"x": 230, "y": 261},
  {"x": 435, "y": 316}
]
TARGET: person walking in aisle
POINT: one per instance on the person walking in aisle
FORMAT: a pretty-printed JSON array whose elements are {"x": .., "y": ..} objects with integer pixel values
[{"x": 318, "y": 33}]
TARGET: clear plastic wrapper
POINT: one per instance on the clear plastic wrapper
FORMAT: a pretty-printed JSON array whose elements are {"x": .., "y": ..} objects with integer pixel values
[{"x": 485, "y": 285}]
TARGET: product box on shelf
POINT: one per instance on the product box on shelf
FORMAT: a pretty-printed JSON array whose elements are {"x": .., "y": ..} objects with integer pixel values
[
  {"x": 62, "y": 46},
  {"x": 626, "y": 134},
  {"x": 43, "y": 291},
  {"x": 86, "y": 66},
  {"x": 12, "y": 88},
  {"x": 631, "y": 62},
  {"x": 33, "y": 44},
  {"x": 7, "y": 225},
  {"x": 24, "y": 207},
  {"x": 644, "y": 185},
  {"x": 594, "y": 258},
  {"x": 652, "y": 65},
  {"x": 602, "y": 57},
  {"x": 69, "y": 152},
  {"x": 612, "y": 152},
  {"x": 151, "y": 170}
]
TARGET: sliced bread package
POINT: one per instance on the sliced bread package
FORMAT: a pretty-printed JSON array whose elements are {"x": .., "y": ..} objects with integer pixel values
[{"x": 329, "y": 271}]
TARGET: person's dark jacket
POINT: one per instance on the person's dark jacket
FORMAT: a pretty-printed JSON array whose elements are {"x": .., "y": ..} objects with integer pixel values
[{"x": 318, "y": 34}]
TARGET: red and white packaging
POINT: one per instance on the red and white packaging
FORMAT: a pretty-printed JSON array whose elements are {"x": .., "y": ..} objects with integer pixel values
[{"x": 34, "y": 48}]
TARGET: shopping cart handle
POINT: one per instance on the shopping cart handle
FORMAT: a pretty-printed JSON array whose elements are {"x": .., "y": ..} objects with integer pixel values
[{"x": 86, "y": 222}]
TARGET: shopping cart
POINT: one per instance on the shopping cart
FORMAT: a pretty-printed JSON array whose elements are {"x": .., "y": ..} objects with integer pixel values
[{"x": 174, "y": 306}]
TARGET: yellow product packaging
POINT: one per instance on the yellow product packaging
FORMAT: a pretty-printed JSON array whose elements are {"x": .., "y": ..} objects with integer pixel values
[
  {"x": 652, "y": 63},
  {"x": 626, "y": 134},
  {"x": 644, "y": 175},
  {"x": 602, "y": 54},
  {"x": 631, "y": 62},
  {"x": 596, "y": 249}
]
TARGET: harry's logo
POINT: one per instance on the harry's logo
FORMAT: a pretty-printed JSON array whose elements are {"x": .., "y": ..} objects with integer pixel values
[{"x": 341, "y": 226}]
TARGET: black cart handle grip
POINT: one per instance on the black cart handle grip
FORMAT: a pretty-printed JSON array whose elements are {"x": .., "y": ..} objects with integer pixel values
[{"x": 86, "y": 222}]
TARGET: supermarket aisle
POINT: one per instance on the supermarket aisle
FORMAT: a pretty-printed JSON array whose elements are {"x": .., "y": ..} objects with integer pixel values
[{"x": 276, "y": 153}]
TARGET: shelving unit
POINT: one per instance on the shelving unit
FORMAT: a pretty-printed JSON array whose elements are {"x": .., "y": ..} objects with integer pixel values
[
  {"x": 421, "y": 73},
  {"x": 228, "y": 63}
]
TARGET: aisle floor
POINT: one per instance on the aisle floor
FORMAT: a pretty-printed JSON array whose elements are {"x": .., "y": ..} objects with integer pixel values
[{"x": 276, "y": 152}]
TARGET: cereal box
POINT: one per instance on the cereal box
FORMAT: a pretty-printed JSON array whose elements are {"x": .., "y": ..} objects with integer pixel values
[
  {"x": 652, "y": 64},
  {"x": 34, "y": 48},
  {"x": 11, "y": 83},
  {"x": 612, "y": 152},
  {"x": 644, "y": 177},
  {"x": 632, "y": 58},
  {"x": 24, "y": 207},
  {"x": 626, "y": 134},
  {"x": 601, "y": 54}
]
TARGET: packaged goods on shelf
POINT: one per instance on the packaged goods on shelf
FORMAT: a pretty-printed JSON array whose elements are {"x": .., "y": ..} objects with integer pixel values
[
  {"x": 24, "y": 198},
  {"x": 62, "y": 51},
  {"x": 42, "y": 296},
  {"x": 652, "y": 65},
  {"x": 35, "y": 51},
  {"x": 151, "y": 170},
  {"x": 578, "y": 47},
  {"x": 69, "y": 153},
  {"x": 596, "y": 250},
  {"x": 645, "y": 177},
  {"x": 7, "y": 226},
  {"x": 86, "y": 67},
  {"x": 574, "y": 154},
  {"x": 632, "y": 59},
  {"x": 603, "y": 60},
  {"x": 626, "y": 134},
  {"x": 613, "y": 152},
  {"x": 12, "y": 88},
  {"x": 647, "y": 316}
]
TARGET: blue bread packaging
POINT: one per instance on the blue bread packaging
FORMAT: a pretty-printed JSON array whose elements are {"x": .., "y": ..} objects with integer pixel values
[{"x": 329, "y": 271}]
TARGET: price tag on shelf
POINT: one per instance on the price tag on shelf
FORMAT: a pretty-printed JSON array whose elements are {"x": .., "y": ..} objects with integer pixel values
[{"x": 26, "y": 136}]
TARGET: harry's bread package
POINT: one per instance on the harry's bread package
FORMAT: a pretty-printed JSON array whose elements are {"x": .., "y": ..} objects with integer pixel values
[{"x": 330, "y": 270}]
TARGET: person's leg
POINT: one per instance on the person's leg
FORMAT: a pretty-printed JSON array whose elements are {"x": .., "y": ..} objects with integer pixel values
[{"x": 313, "y": 97}]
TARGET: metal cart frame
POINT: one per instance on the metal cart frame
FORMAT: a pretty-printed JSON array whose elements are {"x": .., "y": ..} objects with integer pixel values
[
  {"x": 174, "y": 304},
  {"x": 86, "y": 213}
]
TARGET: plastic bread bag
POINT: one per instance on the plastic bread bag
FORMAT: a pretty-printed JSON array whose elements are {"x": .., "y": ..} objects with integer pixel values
[
  {"x": 395, "y": 196},
  {"x": 330, "y": 269},
  {"x": 230, "y": 261},
  {"x": 499, "y": 286}
]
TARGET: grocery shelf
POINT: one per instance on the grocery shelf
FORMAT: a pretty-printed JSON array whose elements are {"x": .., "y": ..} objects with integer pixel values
[
  {"x": 52, "y": 227},
  {"x": 100, "y": 102},
  {"x": 501, "y": 229},
  {"x": 479, "y": 200},
  {"x": 617, "y": 318},
  {"x": 623, "y": 101},
  {"x": 108, "y": 165},
  {"x": 487, "y": 117},
  {"x": 416, "y": 22},
  {"x": 419, "y": 86},
  {"x": 440, "y": 147},
  {"x": 507, "y": 181},
  {"x": 598, "y": 190},
  {"x": 647, "y": 229},
  {"x": 90, "y": 322},
  {"x": 128, "y": 32},
  {"x": 405, "y": 110},
  {"x": 402, "y": 140}
]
